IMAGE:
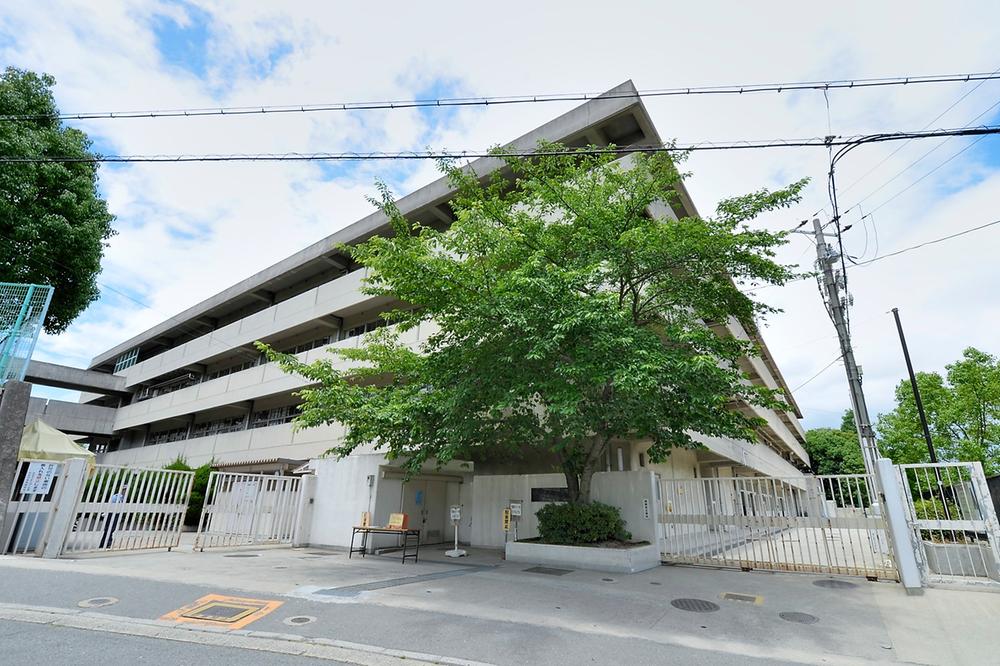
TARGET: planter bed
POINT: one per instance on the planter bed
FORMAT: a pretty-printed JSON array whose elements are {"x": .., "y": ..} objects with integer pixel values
[{"x": 616, "y": 558}]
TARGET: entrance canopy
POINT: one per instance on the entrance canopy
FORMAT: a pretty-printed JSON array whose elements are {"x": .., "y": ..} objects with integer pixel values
[{"x": 40, "y": 441}]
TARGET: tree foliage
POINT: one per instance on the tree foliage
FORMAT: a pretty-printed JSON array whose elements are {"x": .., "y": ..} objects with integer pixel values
[
  {"x": 570, "y": 310},
  {"x": 53, "y": 223},
  {"x": 963, "y": 414},
  {"x": 835, "y": 450}
]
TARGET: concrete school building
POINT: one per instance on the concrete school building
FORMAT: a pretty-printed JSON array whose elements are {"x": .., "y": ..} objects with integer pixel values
[{"x": 195, "y": 386}]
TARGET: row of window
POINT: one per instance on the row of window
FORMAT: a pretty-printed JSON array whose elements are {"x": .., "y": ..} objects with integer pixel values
[
  {"x": 152, "y": 392},
  {"x": 259, "y": 419}
]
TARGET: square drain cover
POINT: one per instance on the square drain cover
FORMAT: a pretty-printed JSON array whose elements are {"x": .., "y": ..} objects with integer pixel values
[
  {"x": 549, "y": 571},
  {"x": 748, "y": 598},
  {"x": 222, "y": 610}
]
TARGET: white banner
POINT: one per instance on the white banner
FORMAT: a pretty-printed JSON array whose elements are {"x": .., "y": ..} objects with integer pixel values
[{"x": 38, "y": 480}]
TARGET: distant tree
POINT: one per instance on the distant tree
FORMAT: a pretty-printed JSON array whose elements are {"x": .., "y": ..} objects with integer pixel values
[
  {"x": 835, "y": 450},
  {"x": 571, "y": 311},
  {"x": 54, "y": 225},
  {"x": 963, "y": 414}
]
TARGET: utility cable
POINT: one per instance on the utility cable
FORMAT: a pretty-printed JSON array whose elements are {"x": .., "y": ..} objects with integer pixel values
[
  {"x": 845, "y": 143},
  {"x": 515, "y": 99},
  {"x": 825, "y": 368}
]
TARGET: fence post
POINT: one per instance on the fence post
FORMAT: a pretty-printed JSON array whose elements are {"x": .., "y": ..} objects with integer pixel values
[
  {"x": 74, "y": 471},
  {"x": 303, "y": 512},
  {"x": 901, "y": 536},
  {"x": 986, "y": 510}
]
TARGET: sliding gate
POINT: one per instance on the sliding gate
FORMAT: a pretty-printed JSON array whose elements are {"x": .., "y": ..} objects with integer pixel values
[
  {"x": 818, "y": 524},
  {"x": 249, "y": 509}
]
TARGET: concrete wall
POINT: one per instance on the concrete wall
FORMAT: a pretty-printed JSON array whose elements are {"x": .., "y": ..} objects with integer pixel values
[
  {"x": 492, "y": 493},
  {"x": 342, "y": 495},
  {"x": 72, "y": 417},
  {"x": 634, "y": 493}
]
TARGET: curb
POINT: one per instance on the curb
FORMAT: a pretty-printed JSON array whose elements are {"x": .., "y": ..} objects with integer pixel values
[{"x": 267, "y": 641}]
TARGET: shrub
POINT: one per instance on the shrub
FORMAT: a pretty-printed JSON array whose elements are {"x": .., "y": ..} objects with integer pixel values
[
  {"x": 572, "y": 524},
  {"x": 198, "y": 488},
  {"x": 932, "y": 508}
]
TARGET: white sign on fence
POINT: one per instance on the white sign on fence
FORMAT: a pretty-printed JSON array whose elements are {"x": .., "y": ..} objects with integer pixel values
[{"x": 38, "y": 480}]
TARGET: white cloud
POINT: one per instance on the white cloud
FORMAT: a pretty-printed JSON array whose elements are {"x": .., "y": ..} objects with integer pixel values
[{"x": 187, "y": 231}]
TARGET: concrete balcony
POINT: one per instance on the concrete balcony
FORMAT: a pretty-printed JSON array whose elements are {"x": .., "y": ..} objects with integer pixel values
[
  {"x": 335, "y": 297},
  {"x": 243, "y": 386}
]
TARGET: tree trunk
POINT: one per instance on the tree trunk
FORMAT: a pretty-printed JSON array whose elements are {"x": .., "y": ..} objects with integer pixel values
[{"x": 572, "y": 481}]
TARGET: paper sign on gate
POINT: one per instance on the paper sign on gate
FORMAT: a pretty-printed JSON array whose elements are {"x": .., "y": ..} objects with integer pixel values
[{"x": 38, "y": 480}]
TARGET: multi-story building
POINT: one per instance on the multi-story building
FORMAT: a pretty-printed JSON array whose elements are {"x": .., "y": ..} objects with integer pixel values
[{"x": 196, "y": 387}]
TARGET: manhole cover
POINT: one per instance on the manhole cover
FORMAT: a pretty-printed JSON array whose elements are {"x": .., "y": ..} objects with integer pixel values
[
  {"x": 243, "y": 555},
  {"x": 833, "y": 584},
  {"x": 222, "y": 611},
  {"x": 297, "y": 620},
  {"x": 321, "y": 553},
  {"x": 608, "y": 580},
  {"x": 279, "y": 566},
  {"x": 653, "y": 582},
  {"x": 800, "y": 618},
  {"x": 549, "y": 571},
  {"x": 97, "y": 602},
  {"x": 695, "y": 605}
]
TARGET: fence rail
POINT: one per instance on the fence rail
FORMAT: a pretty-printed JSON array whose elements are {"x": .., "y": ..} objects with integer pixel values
[
  {"x": 130, "y": 508},
  {"x": 33, "y": 497},
  {"x": 823, "y": 524},
  {"x": 953, "y": 520},
  {"x": 248, "y": 509}
]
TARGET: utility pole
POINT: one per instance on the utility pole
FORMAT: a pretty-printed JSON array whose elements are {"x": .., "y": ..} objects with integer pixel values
[
  {"x": 916, "y": 390},
  {"x": 866, "y": 434},
  {"x": 923, "y": 416}
]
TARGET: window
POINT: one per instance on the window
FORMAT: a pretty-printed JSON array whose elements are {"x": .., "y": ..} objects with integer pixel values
[{"x": 127, "y": 359}]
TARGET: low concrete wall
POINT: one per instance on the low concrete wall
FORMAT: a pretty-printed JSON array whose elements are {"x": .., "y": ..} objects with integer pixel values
[
  {"x": 960, "y": 559},
  {"x": 634, "y": 493},
  {"x": 614, "y": 560}
]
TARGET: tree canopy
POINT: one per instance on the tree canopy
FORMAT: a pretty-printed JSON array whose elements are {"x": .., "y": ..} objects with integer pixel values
[
  {"x": 53, "y": 223},
  {"x": 569, "y": 309},
  {"x": 835, "y": 450},
  {"x": 963, "y": 414}
]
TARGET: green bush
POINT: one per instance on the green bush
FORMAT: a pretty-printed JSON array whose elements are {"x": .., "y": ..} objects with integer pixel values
[
  {"x": 932, "y": 508},
  {"x": 198, "y": 488},
  {"x": 572, "y": 524}
]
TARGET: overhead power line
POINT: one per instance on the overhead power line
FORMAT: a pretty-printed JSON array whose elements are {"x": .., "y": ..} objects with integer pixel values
[
  {"x": 824, "y": 142},
  {"x": 926, "y": 243},
  {"x": 825, "y": 368},
  {"x": 835, "y": 84}
]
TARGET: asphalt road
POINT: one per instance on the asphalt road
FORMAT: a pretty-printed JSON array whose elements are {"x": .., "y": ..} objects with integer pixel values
[{"x": 24, "y": 643}]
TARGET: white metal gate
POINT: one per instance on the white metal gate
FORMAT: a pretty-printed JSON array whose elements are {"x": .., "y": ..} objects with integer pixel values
[
  {"x": 33, "y": 497},
  {"x": 130, "y": 508},
  {"x": 248, "y": 509},
  {"x": 953, "y": 521},
  {"x": 819, "y": 524}
]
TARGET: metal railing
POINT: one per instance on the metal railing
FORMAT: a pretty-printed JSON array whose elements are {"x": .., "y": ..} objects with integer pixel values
[
  {"x": 821, "y": 524},
  {"x": 953, "y": 519},
  {"x": 33, "y": 497},
  {"x": 130, "y": 508},
  {"x": 248, "y": 509}
]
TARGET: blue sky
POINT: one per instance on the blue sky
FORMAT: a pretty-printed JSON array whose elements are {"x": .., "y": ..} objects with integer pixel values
[{"x": 187, "y": 231}]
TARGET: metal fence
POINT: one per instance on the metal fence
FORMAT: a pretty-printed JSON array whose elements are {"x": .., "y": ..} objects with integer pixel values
[
  {"x": 33, "y": 497},
  {"x": 248, "y": 509},
  {"x": 953, "y": 520},
  {"x": 822, "y": 524},
  {"x": 22, "y": 314},
  {"x": 130, "y": 508}
]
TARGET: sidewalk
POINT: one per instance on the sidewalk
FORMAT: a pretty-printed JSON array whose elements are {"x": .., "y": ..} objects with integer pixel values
[{"x": 481, "y": 608}]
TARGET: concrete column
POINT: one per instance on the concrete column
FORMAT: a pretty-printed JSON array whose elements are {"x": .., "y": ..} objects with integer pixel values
[
  {"x": 13, "y": 410},
  {"x": 304, "y": 510},
  {"x": 71, "y": 479},
  {"x": 902, "y": 538}
]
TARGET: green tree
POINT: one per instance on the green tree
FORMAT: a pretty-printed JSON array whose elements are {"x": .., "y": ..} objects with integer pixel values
[
  {"x": 963, "y": 414},
  {"x": 54, "y": 226},
  {"x": 835, "y": 450},
  {"x": 572, "y": 311}
]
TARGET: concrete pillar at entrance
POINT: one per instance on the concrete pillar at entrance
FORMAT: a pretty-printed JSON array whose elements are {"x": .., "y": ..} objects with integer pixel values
[
  {"x": 901, "y": 536},
  {"x": 13, "y": 410},
  {"x": 303, "y": 513}
]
